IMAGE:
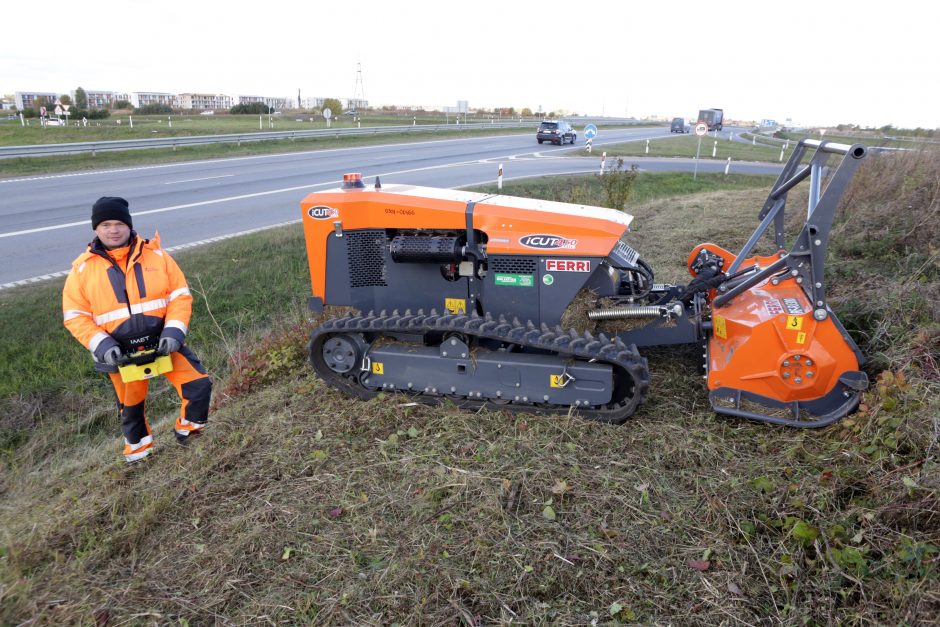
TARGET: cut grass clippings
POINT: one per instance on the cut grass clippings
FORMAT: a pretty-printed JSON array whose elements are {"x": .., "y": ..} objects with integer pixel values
[{"x": 303, "y": 506}]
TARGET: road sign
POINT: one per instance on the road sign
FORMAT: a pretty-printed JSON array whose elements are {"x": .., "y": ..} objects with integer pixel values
[
  {"x": 327, "y": 113},
  {"x": 701, "y": 128},
  {"x": 59, "y": 110},
  {"x": 590, "y": 131}
]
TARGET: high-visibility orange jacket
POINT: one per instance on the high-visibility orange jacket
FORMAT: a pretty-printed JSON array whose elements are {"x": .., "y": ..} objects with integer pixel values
[{"x": 126, "y": 296}]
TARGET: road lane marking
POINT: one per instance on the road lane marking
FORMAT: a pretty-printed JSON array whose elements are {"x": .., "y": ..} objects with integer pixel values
[
  {"x": 205, "y": 178},
  {"x": 218, "y": 238},
  {"x": 173, "y": 208},
  {"x": 305, "y": 153}
]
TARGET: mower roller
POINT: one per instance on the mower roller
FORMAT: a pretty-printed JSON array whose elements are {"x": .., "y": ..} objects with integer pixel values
[{"x": 460, "y": 296}]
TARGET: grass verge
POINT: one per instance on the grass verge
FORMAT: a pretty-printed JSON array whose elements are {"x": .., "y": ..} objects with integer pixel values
[
  {"x": 303, "y": 506},
  {"x": 28, "y": 166},
  {"x": 685, "y": 146}
]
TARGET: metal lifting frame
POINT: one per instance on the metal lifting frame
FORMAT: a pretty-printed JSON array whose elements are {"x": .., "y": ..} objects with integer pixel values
[{"x": 806, "y": 259}]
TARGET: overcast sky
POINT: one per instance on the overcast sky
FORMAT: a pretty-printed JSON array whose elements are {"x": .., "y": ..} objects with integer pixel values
[{"x": 817, "y": 63}]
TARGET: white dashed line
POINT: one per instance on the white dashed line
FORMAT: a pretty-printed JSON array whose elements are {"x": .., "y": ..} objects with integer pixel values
[
  {"x": 207, "y": 178},
  {"x": 219, "y": 238}
]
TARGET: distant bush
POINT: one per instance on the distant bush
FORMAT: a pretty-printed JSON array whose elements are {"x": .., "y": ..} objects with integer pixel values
[
  {"x": 154, "y": 108},
  {"x": 93, "y": 114},
  {"x": 250, "y": 107},
  {"x": 122, "y": 104}
]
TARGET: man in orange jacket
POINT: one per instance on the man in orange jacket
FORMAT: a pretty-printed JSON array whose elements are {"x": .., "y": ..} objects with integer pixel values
[{"x": 125, "y": 294}]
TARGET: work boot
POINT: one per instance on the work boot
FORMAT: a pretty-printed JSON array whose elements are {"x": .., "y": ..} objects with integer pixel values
[
  {"x": 184, "y": 438},
  {"x": 135, "y": 452}
]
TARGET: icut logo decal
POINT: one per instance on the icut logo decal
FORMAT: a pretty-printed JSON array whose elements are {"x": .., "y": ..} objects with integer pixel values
[
  {"x": 322, "y": 212},
  {"x": 547, "y": 242}
]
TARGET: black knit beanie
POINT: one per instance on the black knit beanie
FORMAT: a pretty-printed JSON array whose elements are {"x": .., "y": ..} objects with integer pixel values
[{"x": 110, "y": 208}]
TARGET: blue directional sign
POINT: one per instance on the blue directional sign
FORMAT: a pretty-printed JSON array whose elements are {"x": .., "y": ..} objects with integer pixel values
[{"x": 590, "y": 131}]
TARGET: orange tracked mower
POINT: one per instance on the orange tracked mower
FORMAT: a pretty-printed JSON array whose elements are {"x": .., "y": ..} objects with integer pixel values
[{"x": 461, "y": 295}]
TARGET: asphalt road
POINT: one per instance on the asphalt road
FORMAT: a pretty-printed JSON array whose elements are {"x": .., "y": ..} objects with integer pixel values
[{"x": 45, "y": 220}]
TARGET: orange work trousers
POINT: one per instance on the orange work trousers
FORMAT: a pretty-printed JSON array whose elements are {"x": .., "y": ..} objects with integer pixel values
[{"x": 194, "y": 388}]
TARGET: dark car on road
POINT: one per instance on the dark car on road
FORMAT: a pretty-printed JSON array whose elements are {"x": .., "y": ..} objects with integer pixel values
[
  {"x": 556, "y": 131},
  {"x": 678, "y": 126}
]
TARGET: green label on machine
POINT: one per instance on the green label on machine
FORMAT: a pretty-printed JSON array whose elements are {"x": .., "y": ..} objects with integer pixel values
[{"x": 516, "y": 280}]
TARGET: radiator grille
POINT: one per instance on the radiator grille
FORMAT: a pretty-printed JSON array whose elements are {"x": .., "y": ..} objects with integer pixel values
[
  {"x": 513, "y": 265},
  {"x": 366, "y": 256}
]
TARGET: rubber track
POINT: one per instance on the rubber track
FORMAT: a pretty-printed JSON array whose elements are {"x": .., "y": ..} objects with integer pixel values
[{"x": 569, "y": 344}]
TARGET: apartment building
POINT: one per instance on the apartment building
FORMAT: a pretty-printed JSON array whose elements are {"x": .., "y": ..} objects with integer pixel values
[
  {"x": 205, "y": 102},
  {"x": 143, "y": 98},
  {"x": 30, "y": 99},
  {"x": 97, "y": 99},
  {"x": 274, "y": 102},
  {"x": 313, "y": 102}
]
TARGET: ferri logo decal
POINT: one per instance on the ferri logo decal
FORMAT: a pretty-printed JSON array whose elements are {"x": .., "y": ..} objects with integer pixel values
[
  {"x": 322, "y": 212},
  {"x": 567, "y": 265},
  {"x": 547, "y": 242}
]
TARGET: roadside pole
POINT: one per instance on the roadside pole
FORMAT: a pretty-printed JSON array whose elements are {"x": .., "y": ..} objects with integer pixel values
[
  {"x": 701, "y": 129},
  {"x": 603, "y": 159},
  {"x": 499, "y": 177}
]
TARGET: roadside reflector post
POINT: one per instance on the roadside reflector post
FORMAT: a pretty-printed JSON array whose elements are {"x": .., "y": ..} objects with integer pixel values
[
  {"x": 603, "y": 159},
  {"x": 499, "y": 177},
  {"x": 260, "y": 123},
  {"x": 647, "y": 146},
  {"x": 169, "y": 121},
  {"x": 753, "y": 140},
  {"x": 414, "y": 121},
  {"x": 782, "y": 148},
  {"x": 730, "y": 137},
  {"x": 589, "y": 144},
  {"x": 715, "y": 148},
  {"x": 130, "y": 119},
  {"x": 727, "y": 166},
  {"x": 698, "y": 151},
  {"x": 22, "y": 120}
]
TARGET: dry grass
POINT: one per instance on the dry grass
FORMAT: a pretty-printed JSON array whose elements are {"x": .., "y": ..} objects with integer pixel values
[{"x": 301, "y": 506}]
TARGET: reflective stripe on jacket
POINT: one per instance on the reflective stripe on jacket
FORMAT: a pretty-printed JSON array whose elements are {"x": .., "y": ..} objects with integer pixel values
[{"x": 125, "y": 293}]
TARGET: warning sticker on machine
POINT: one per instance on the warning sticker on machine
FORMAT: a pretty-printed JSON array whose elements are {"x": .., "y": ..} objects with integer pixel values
[
  {"x": 455, "y": 305},
  {"x": 794, "y": 308},
  {"x": 801, "y": 338},
  {"x": 795, "y": 323},
  {"x": 517, "y": 280},
  {"x": 773, "y": 307},
  {"x": 378, "y": 367},
  {"x": 556, "y": 380},
  {"x": 720, "y": 327}
]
